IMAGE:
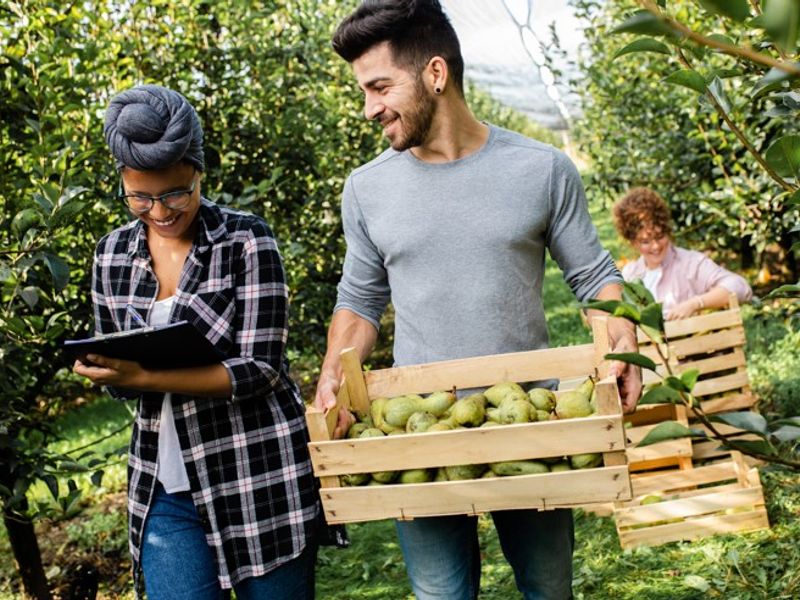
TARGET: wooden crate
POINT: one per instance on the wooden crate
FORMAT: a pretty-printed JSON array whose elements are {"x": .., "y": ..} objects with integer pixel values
[
  {"x": 712, "y": 343},
  {"x": 724, "y": 497},
  {"x": 602, "y": 432}
]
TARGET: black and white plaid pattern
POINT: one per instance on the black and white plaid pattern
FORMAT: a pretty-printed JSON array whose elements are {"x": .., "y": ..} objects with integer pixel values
[{"x": 246, "y": 456}]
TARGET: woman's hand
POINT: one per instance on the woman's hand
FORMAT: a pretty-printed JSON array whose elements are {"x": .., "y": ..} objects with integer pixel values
[
  {"x": 116, "y": 372},
  {"x": 683, "y": 310}
]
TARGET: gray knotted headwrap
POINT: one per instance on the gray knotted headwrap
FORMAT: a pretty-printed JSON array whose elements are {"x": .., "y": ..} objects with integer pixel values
[{"x": 150, "y": 127}]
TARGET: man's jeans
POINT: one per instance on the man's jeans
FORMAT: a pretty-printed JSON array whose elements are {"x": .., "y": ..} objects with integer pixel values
[
  {"x": 178, "y": 563},
  {"x": 443, "y": 559}
]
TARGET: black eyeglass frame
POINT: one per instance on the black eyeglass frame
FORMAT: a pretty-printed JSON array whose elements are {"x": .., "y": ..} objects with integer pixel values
[{"x": 163, "y": 198}]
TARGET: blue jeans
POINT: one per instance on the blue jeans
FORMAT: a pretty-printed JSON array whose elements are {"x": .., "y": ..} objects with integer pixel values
[
  {"x": 178, "y": 563},
  {"x": 443, "y": 559}
]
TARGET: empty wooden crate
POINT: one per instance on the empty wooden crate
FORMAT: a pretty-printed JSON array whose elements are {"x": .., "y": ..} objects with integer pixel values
[{"x": 686, "y": 504}]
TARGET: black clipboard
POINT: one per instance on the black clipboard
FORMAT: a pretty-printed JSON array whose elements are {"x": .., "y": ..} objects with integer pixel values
[{"x": 173, "y": 346}]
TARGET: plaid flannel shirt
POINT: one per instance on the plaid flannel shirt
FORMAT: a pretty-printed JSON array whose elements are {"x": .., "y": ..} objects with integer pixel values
[{"x": 246, "y": 455}]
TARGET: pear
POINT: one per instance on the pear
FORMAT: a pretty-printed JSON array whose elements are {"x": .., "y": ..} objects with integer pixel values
[
  {"x": 416, "y": 476},
  {"x": 542, "y": 415},
  {"x": 469, "y": 411},
  {"x": 560, "y": 466},
  {"x": 399, "y": 409},
  {"x": 498, "y": 391},
  {"x": 586, "y": 461},
  {"x": 355, "y": 479},
  {"x": 440, "y": 426},
  {"x": 356, "y": 429},
  {"x": 572, "y": 405},
  {"x": 514, "y": 410},
  {"x": 542, "y": 399},
  {"x": 419, "y": 422},
  {"x": 462, "y": 472},
  {"x": 437, "y": 403},
  {"x": 376, "y": 411}
]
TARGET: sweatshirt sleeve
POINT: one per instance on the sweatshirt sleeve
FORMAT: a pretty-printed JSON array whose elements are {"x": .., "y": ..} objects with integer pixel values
[
  {"x": 710, "y": 274},
  {"x": 571, "y": 235},
  {"x": 364, "y": 287}
]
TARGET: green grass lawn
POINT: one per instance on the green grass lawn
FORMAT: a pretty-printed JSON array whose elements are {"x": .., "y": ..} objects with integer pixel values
[{"x": 760, "y": 565}]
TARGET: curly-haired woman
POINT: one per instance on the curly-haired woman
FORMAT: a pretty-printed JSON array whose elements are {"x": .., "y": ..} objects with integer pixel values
[{"x": 684, "y": 281}]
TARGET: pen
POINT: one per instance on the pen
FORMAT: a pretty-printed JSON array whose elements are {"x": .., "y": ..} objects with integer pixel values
[{"x": 135, "y": 315}]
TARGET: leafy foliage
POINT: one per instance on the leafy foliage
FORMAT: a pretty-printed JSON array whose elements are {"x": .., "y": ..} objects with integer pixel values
[{"x": 652, "y": 93}]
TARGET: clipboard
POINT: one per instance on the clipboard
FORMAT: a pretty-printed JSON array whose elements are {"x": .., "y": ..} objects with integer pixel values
[{"x": 172, "y": 346}]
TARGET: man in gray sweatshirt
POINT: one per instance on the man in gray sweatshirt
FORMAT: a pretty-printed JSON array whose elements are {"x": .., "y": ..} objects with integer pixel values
[{"x": 450, "y": 224}]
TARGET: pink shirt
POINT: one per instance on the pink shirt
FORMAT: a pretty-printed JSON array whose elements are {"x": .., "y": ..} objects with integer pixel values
[{"x": 688, "y": 273}]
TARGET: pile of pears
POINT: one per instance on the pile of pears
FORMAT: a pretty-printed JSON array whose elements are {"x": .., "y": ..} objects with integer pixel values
[{"x": 504, "y": 403}]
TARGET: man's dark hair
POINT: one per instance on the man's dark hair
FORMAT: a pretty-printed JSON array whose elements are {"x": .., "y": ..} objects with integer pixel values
[{"x": 417, "y": 30}]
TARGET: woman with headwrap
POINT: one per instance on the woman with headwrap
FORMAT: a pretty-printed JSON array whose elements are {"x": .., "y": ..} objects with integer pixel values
[{"x": 220, "y": 493}]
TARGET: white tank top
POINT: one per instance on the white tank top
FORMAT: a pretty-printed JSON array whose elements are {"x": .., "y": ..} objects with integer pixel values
[{"x": 171, "y": 470}]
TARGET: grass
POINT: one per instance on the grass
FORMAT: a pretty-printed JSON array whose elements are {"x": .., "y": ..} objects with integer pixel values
[{"x": 759, "y": 565}]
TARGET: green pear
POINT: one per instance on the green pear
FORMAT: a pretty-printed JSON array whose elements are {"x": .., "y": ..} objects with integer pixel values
[
  {"x": 572, "y": 405},
  {"x": 560, "y": 466},
  {"x": 498, "y": 391},
  {"x": 419, "y": 422},
  {"x": 542, "y": 399},
  {"x": 586, "y": 461},
  {"x": 514, "y": 410}
]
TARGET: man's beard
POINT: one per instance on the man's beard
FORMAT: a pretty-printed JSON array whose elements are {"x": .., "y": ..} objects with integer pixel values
[{"x": 417, "y": 121}]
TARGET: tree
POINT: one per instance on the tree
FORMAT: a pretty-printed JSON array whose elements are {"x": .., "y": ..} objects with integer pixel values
[{"x": 661, "y": 90}]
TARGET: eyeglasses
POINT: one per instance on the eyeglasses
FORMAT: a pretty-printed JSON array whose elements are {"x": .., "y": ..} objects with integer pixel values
[
  {"x": 142, "y": 203},
  {"x": 650, "y": 238}
]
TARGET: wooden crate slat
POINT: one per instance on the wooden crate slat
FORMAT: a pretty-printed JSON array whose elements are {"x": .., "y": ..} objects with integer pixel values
[
  {"x": 650, "y": 484},
  {"x": 550, "y": 490},
  {"x": 727, "y": 403},
  {"x": 566, "y": 362},
  {"x": 703, "y": 344},
  {"x": 475, "y": 446},
  {"x": 717, "y": 385},
  {"x": 695, "y": 528},
  {"x": 688, "y": 507},
  {"x": 720, "y": 319},
  {"x": 668, "y": 449},
  {"x": 731, "y": 360}
]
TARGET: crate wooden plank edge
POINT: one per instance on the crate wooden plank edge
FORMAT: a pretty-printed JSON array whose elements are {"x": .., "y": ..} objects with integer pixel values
[
  {"x": 481, "y": 371},
  {"x": 477, "y": 496},
  {"x": 601, "y": 434},
  {"x": 692, "y": 529}
]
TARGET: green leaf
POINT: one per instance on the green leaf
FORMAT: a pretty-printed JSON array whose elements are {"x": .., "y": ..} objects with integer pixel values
[
  {"x": 787, "y": 433},
  {"x": 717, "y": 91},
  {"x": 633, "y": 358},
  {"x": 749, "y": 421},
  {"x": 635, "y": 292},
  {"x": 689, "y": 79},
  {"x": 689, "y": 378},
  {"x": 59, "y": 269},
  {"x": 782, "y": 21},
  {"x": 615, "y": 308},
  {"x": 653, "y": 317},
  {"x": 643, "y": 45},
  {"x": 754, "y": 446},
  {"x": 676, "y": 384},
  {"x": 783, "y": 156},
  {"x": 654, "y": 334},
  {"x": 97, "y": 477},
  {"x": 794, "y": 199},
  {"x": 771, "y": 80},
  {"x": 660, "y": 394},
  {"x": 785, "y": 291},
  {"x": 735, "y": 9},
  {"x": 645, "y": 23},
  {"x": 30, "y": 295},
  {"x": 52, "y": 485},
  {"x": 669, "y": 430},
  {"x": 696, "y": 583}
]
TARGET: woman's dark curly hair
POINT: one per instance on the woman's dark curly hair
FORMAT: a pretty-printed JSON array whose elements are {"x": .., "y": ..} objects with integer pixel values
[{"x": 641, "y": 208}]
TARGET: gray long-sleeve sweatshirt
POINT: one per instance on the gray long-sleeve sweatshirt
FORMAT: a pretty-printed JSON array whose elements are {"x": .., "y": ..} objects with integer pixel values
[{"x": 459, "y": 247}]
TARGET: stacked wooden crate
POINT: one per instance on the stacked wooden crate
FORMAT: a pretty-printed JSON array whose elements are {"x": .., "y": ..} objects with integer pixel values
[
  {"x": 601, "y": 433},
  {"x": 694, "y": 496}
]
